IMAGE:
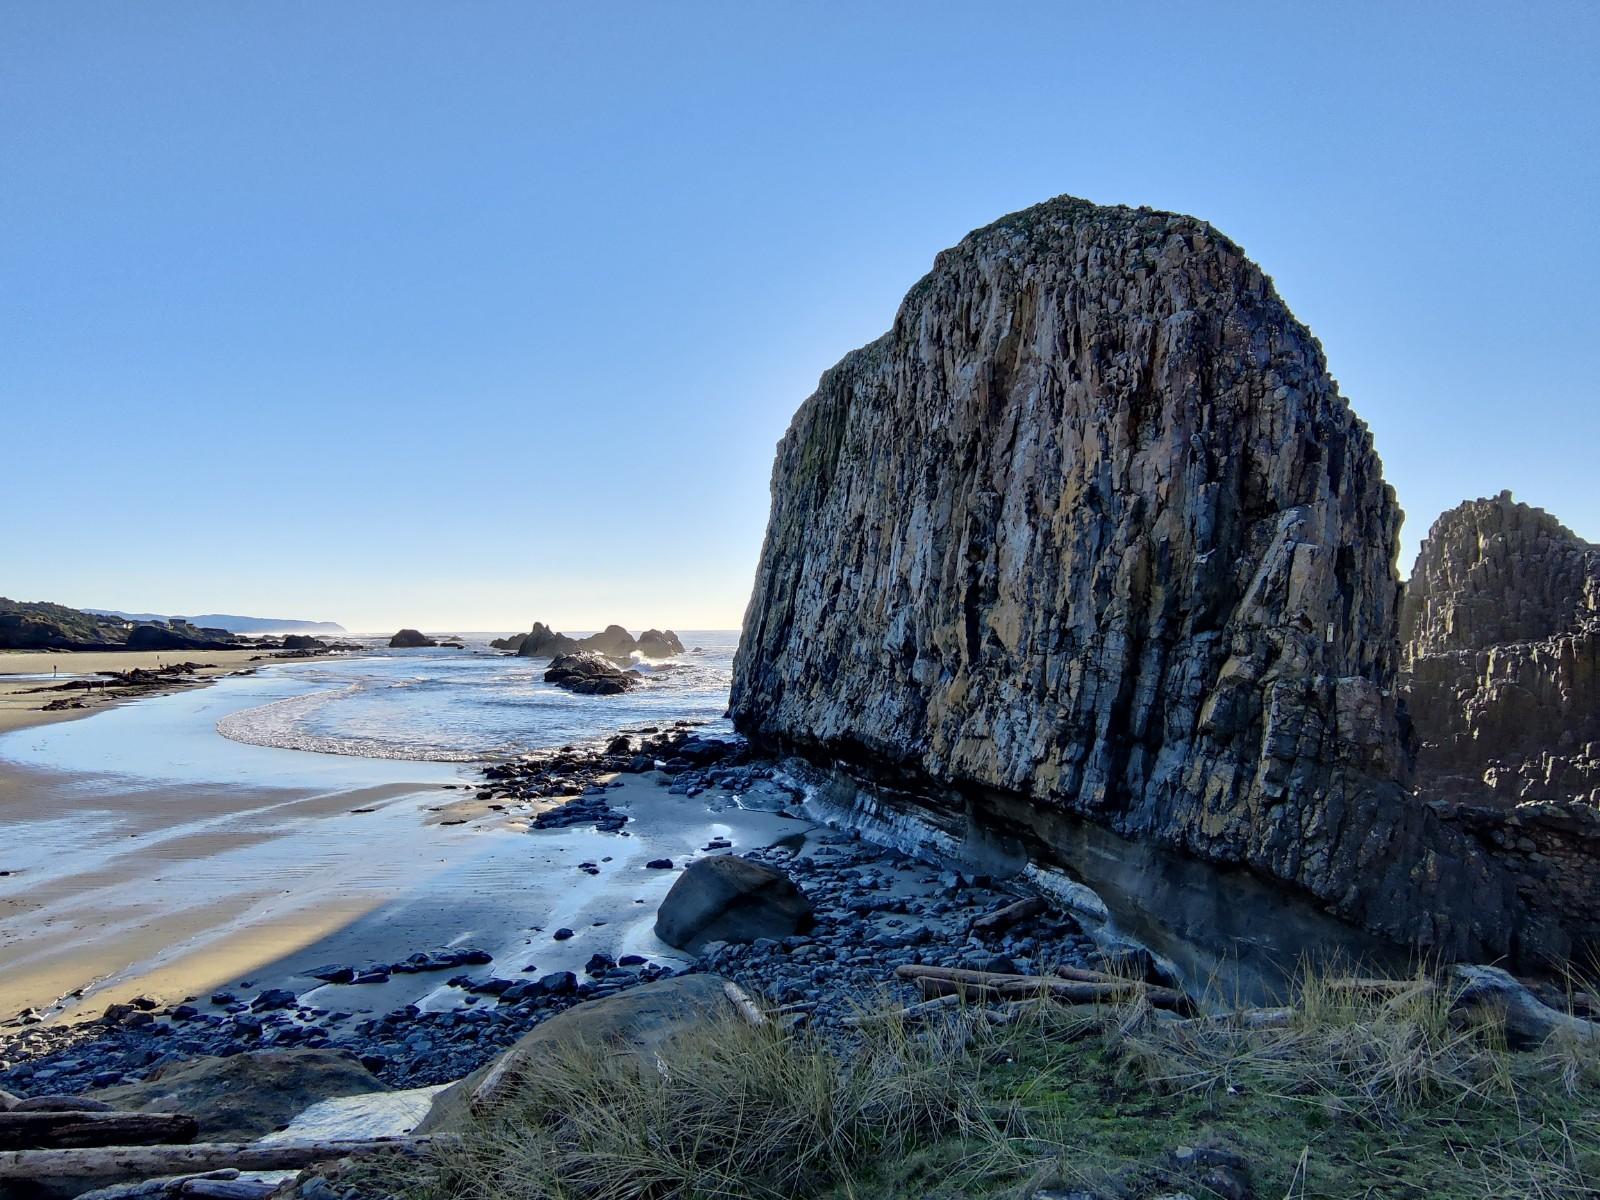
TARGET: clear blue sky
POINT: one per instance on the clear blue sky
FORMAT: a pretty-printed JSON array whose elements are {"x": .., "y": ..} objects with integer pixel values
[{"x": 462, "y": 315}]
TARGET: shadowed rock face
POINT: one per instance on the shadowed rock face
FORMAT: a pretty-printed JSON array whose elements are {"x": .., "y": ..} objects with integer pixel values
[
  {"x": 1502, "y": 646},
  {"x": 1092, "y": 525}
]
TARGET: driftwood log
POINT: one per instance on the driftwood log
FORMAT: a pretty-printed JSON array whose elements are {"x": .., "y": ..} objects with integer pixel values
[
  {"x": 494, "y": 1087},
  {"x": 150, "y": 1161},
  {"x": 744, "y": 1004},
  {"x": 1004, "y": 918},
  {"x": 61, "y": 1130},
  {"x": 992, "y": 985},
  {"x": 912, "y": 1012}
]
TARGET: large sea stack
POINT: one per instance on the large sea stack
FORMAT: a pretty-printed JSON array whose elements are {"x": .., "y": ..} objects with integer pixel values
[
  {"x": 1501, "y": 672},
  {"x": 1091, "y": 531}
]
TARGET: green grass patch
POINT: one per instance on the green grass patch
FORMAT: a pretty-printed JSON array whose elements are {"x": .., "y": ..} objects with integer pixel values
[{"x": 1342, "y": 1097}]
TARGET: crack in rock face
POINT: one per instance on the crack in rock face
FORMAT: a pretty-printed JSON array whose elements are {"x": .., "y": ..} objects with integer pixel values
[{"x": 1092, "y": 524}]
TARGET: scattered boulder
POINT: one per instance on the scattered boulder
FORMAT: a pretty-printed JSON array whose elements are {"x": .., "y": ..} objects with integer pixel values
[
  {"x": 590, "y": 674},
  {"x": 636, "y": 1022},
  {"x": 410, "y": 639},
  {"x": 730, "y": 899},
  {"x": 303, "y": 641},
  {"x": 245, "y": 1095}
]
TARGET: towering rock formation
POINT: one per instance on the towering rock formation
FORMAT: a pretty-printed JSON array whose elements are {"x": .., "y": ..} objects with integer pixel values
[
  {"x": 1501, "y": 623},
  {"x": 1092, "y": 527}
]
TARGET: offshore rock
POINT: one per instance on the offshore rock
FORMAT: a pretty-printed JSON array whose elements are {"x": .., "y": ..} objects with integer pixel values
[
  {"x": 1501, "y": 623},
  {"x": 1092, "y": 526},
  {"x": 657, "y": 643},
  {"x": 613, "y": 641},
  {"x": 410, "y": 639},
  {"x": 590, "y": 674}
]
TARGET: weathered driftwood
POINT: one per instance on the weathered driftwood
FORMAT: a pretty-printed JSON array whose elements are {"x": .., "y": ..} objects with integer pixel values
[
  {"x": 61, "y": 1104},
  {"x": 494, "y": 1087},
  {"x": 992, "y": 985},
  {"x": 1084, "y": 975},
  {"x": 744, "y": 1004},
  {"x": 148, "y": 1161},
  {"x": 166, "y": 1186},
  {"x": 8, "y": 1100},
  {"x": 912, "y": 1012},
  {"x": 1358, "y": 986},
  {"x": 227, "y": 1189},
  {"x": 1004, "y": 918},
  {"x": 59, "y": 1130}
]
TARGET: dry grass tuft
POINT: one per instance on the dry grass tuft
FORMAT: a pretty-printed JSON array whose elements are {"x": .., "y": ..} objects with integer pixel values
[{"x": 1348, "y": 1094}]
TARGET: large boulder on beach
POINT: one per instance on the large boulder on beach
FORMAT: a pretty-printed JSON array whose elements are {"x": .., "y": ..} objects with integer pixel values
[
  {"x": 590, "y": 674},
  {"x": 730, "y": 899},
  {"x": 303, "y": 641},
  {"x": 410, "y": 639},
  {"x": 243, "y": 1096},
  {"x": 636, "y": 1022},
  {"x": 1090, "y": 535}
]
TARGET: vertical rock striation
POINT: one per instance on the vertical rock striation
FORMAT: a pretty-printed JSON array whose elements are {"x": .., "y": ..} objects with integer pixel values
[
  {"x": 1091, "y": 525},
  {"x": 1501, "y": 623}
]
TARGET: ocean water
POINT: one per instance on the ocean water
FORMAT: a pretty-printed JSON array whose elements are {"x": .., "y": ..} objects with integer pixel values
[{"x": 448, "y": 705}]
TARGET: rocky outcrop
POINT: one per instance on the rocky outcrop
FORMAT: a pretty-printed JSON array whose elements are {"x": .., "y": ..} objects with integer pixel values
[
  {"x": 656, "y": 643},
  {"x": 1502, "y": 680},
  {"x": 1092, "y": 527},
  {"x": 410, "y": 639},
  {"x": 160, "y": 637},
  {"x": 39, "y": 625},
  {"x": 1502, "y": 654},
  {"x": 590, "y": 674},
  {"x": 613, "y": 641}
]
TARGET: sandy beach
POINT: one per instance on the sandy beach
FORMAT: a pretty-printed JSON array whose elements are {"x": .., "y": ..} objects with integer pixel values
[
  {"x": 24, "y": 672},
  {"x": 145, "y": 854}
]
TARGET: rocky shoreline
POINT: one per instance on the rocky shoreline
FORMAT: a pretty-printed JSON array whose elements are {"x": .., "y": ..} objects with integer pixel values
[{"x": 874, "y": 909}]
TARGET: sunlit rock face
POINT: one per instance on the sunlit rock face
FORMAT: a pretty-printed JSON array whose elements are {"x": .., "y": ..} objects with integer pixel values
[
  {"x": 1092, "y": 525},
  {"x": 1501, "y": 623}
]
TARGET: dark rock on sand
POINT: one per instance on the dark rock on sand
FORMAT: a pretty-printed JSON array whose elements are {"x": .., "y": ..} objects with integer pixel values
[
  {"x": 590, "y": 674},
  {"x": 1090, "y": 533},
  {"x": 730, "y": 899},
  {"x": 303, "y": 641},
  {"x": 410, "y": 639},
  {"x": 246, "y": 1095}
]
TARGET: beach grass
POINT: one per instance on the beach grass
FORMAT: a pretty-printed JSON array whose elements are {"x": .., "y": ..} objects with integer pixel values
[{"x": 1346, "y": 1095}]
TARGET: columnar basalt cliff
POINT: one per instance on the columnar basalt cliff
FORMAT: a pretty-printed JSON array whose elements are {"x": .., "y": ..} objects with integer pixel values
[
  {"x": 1502, "y": 675},
  {"x": 1093, "y": 527}
]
